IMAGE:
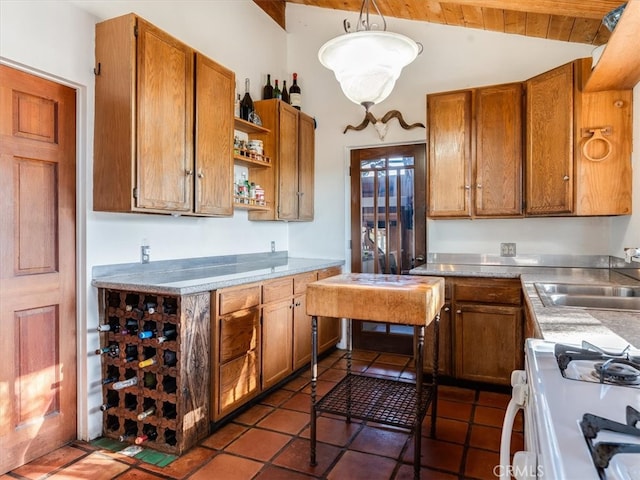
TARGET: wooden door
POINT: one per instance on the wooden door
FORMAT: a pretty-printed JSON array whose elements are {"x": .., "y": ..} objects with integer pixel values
[
  {"x": 215, "y": 88},
  {"x": 498, "y": 165},
  {"x": 301, "y": 332},
  {"x": 165, "y": 121},
  {"x": 449, "y": 132},
  {"x": 549, "y": 142},
  {"x": 306, "y": 162},
  {"x": 287, "y": 162},
  {"x": 37, "y": 267}
]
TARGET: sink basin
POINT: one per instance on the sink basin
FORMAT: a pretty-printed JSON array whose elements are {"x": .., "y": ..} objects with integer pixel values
[
  {"x": 604, "y": 297},
  {"x": 582, "y": 289}
]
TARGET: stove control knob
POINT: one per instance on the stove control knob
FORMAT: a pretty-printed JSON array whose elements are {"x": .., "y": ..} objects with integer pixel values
[
  {"x": 524, "y": 466},
  {"x": 518, "y": 377}
]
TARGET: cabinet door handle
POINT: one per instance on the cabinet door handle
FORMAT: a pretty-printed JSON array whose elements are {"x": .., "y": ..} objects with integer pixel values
[
  {"x": 446, "y": 309},
  {"x": 479, "y": 186},
  {"x": 188, "y": 173},
  {"x": 200, "y": 175},
  {"x": 467, "y": 187},
  {"x": 565, "y": 178},
  {"x": 458, "y": 311}
]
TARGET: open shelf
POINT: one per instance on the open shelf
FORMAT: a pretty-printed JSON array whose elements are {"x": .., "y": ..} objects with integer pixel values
[
  {"x": 252, "y": 161},
  {"x": 248, "y": 206},
  {"x": 249, "y": 127}
]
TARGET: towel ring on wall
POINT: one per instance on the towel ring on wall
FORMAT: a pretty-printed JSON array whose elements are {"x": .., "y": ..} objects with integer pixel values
[{"x": 598, "y": 135}]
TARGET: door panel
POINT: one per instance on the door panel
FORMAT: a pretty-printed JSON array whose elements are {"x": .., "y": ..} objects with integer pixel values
[
  {"x": 37, "y": 276},
  {"x": 387, "y": 228}
]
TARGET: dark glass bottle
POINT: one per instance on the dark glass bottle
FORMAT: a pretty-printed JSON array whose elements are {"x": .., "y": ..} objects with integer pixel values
[
  {"x": 148, "y": 433},
  {"x": 167, "y": 335},
  {"x": 267, "y": 91},
  {"x": 295, "y": 94},
  {"x": 277, "y": 94},
  {"x": 285, "y": 93},
  {"x": 170, "y": 358},
  {"x": 246, "y": 105}
]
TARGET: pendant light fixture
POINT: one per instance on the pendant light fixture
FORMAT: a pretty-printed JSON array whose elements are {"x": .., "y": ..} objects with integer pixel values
[{"x": 368, "y": 61}]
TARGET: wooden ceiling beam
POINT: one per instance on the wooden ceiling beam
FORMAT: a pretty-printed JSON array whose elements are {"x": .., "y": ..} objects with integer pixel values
[{"x": 276, "y": 9}]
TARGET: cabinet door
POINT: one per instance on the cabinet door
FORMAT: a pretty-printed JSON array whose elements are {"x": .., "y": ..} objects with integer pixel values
[
  {"x": 164, "y": 160},
  {"x": 488, "y": 342},
  {"x": 288, "y": 163},
  {"x": 498, "y": 178},
  {"x": 549, "y": 142},
  {"x": 277, "y": 325},
  {"x": 215, "y": 87},
  {"x": 301, "y": 333},
  {"x": 306, "y": 161},
  {"x": 449, "y": 171}
]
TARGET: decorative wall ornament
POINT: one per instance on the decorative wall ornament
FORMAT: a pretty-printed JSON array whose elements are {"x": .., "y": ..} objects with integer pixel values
[{"x": 381, "y": 124}]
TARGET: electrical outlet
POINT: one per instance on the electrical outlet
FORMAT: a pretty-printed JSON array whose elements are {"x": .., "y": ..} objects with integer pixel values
[
  {"x": 145, "y": 253},
  {"x": 273, "y": 246},
  {"x": 507, "y": 249}
]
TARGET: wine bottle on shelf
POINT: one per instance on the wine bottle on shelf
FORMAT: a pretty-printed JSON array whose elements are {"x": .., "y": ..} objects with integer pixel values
[
  {"x": 148, "y": 433},
  {"x": 167, "y": 336},
  {"x": 146, "y": 413},
  {"x": 295, "y": 94},
  {"x": 277, "y": 94},
  {"x": 129, "y": 382},
  {"x": 267, "y": 91},
  {"x": 246, "y": 105},
  {"x": 285, "y": 93},
  {"x": 236, "y": 106}
]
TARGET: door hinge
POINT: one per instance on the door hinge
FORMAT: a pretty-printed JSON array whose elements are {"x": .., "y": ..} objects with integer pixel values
[{"x": 135, "y": 192}]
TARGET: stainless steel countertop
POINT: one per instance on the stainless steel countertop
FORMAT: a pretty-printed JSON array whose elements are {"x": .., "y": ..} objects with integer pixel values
[
  {"x": 203, "y": 276},
  {"x": 559, "y": 324}
]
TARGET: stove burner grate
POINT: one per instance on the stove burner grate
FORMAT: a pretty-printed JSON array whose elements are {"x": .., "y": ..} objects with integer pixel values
[{"x": 617, "y": 372}]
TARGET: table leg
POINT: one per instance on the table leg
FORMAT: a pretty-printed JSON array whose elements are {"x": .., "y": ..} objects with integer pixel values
[
  {"x": 417, "y": 434},
  {"x": 314, "y": 380},
  {"x": 434, "y": 382},
  {"x": 349, "y": 350}
]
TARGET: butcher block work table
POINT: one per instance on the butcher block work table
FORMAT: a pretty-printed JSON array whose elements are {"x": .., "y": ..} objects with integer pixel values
[{"x": 406, "y": 300}]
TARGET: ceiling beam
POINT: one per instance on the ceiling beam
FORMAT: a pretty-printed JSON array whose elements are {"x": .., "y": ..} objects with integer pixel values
[{"x": 276, "y": 9}]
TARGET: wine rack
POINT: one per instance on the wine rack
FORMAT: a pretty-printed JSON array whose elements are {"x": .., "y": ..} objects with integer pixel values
[{"x": 154, "y": 351}]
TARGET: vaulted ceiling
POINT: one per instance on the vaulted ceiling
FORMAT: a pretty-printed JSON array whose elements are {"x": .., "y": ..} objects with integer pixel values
[{"x": 566, "y": 20}]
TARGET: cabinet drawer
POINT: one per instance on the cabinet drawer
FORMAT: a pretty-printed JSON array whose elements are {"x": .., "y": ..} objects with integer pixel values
[
  {"x": 301, "y": 281},
  {"x": 488, "y": 291},
  {"x": 239, "y": 298},
  {"x": 238, "y": 382},
  {"x": 329, "y": 272},
  {"x": 239, "y": 333},
  {"x": 277, "y": 289}
]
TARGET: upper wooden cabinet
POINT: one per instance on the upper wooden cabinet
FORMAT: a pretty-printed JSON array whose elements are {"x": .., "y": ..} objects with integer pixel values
[
  {"x": 578, "y": 148},
  {"x": 291, "y": 142},
  {"x": 149, "y": 154},
  {"x": 475, "y": 152}
]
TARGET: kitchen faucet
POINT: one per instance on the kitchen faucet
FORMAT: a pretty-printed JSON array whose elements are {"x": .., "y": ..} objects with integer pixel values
[{"x": 631, "y": 253}]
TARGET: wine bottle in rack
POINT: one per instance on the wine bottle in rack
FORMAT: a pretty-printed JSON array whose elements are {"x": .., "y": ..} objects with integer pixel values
[
  {"x": 150, "y": 380},
  {"x": 112, "y": 350},
  {"x": 130, "y": 431},
  {"x": 108, "y": 380},
  {"x": 106, "y": 406},
  {"x": 295, "y": 94},
  {"x": 105, "y": 327},
  {"x": 170, "y": 306},
  {"x": 150, "y": 305},
  {"x": 147, "y": 362},
  {"x": 130, "y": 353},
  {"x": 129, "y": 382},
  {"x": 148, "y": 330},
  {"x": 167, "y": 335},
  {"x": 148, "y": 412},
  {"x": 148, "y": 433},
  {"x": 170, "y": 358},
  {"x": 132, "y": 326}
]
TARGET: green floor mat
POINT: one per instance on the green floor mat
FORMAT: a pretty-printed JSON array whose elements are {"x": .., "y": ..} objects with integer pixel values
[{"x": 146, "y": 455}]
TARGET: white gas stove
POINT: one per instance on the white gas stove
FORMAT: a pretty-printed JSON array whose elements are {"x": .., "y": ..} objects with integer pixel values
[{"x": 575, "y": 426}]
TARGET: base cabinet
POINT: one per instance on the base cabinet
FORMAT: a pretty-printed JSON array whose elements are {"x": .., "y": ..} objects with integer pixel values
[{"x": 260, "y": 335}]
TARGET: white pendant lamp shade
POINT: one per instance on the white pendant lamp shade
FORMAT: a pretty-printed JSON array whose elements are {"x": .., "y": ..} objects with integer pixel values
[{"x": 368, "y": 63}]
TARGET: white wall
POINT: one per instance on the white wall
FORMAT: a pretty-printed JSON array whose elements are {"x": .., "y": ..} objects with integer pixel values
[
  {"x": 56, "y": 39},
  {"x": 453, "y": 58}
]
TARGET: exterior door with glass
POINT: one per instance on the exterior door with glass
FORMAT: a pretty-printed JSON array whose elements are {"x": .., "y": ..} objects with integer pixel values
[{"x": 388, "y": 232}]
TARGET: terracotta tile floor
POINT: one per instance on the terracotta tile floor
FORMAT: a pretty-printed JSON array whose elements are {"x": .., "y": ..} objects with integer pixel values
[{"x": 270, "y": 440}]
